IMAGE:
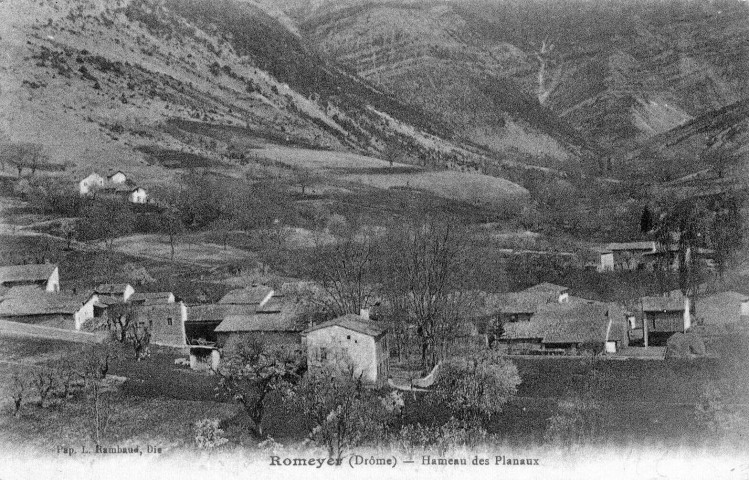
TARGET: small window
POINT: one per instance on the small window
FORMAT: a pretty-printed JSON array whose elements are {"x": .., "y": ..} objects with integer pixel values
[
  {"x": 169, "y": 320},
  {"x": 348, "y": 337},
  {"x": 323, "y": 353}
]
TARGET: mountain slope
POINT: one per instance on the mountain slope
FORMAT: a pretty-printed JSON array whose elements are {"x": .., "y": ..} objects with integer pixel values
[
  {"x": 613, "y": 73},
  {"x": 432, "y": 56},
  {"x": 107, "y": 84},
  {"x": 717, "y": 141}
]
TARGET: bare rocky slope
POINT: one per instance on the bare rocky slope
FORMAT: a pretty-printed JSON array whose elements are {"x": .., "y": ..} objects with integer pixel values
[{"x": 597, "y": 76}]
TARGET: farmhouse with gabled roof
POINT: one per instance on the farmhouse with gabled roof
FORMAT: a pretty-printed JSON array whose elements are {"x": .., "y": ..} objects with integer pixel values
[
  {"x": 352, "y": 342},
  {"x": 45, "y": 276}
]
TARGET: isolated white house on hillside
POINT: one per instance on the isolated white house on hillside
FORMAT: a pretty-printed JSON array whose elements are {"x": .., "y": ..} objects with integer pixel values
[
  {"x": 90, "y": 183},
  {"x": 137, "y": 195},
  {"x": 117, "y": 177}
]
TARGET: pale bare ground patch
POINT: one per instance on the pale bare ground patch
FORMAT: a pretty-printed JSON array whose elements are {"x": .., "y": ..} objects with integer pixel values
[
  {"x": 467, "y": 187},
  {"x": 322, "y": 159},
  {"x": 158, "y": 247},
  {"x": 297, "y": 237}
]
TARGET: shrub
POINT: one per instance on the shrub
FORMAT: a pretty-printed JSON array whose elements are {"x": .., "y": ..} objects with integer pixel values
[
  {"x": 444, "y": 438},
  {"x": 208, "y": 434}
]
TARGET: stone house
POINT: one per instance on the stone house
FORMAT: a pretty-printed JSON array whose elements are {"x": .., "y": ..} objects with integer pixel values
[
  {"x": 165, "y": 322},
  {"x": 632, "y": 255},
  {"x": 44, "y": 276},
  {"x": 663, "y": 316},
  {"x": 277, "y": 322},
  {"x": 52, "y": 309},
  {"x": 90, "y": 184},
  {"x": 352, "y": 342},
  {"x": 572, "y": 327},
  {"x": 137, "y": 195},
  {"x": 117, "y": 177}
]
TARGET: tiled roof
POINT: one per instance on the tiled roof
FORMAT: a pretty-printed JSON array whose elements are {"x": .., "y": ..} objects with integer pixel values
[
  {"x": 285, "y": 318},
  {"x": 571, "y": 323},
  {"x": 109, "y": 300},
  {"x": 152, "y": 297},
  {"x": 659, "y": 304},
  {"x": 354, "y": 323},
  {"x": 26, "y": 273},
  {"x": 631, "y": 246},
  {"x": 545, "y": 287},
  {"x": 111, "y": 288},
  {"x": 216, "y": 312},
  {"x": 43, "y": 303},
  {"x": 727, "y": 296},
  {"x": 247, "y": 296}
]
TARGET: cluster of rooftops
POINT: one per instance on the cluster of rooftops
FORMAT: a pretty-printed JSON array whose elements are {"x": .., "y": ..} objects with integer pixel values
[{"x": 545, "y": 314}]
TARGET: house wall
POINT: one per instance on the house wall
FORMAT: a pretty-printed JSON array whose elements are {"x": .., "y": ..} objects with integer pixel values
[
  {"x": 85, "y": 313},
  {"x": 87, "y": 184},
  {"x": 338, "y": 346},
  {"x": 53, "y": 283},
  {"x": 166, "y": 322},
  {"x": 118, "y": 177},
  {"x": 664, "y": 322},
  {"x": 606, "y": 263},
  {"x": 129, "y": 290},
  {"x": 229, "y": 340},
  {"x": 138, "y": 196}
]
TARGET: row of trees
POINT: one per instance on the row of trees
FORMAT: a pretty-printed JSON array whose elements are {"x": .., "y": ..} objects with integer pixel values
[
  {"x": 340, "y": 413},
  {"x": 82, "y": 376}
]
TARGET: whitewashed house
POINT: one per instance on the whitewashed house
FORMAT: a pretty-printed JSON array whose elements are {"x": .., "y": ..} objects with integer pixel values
[
  {"x": 351, "y": 342},
  {"x": 117, "y": 177},
  {"x": 45, "y": 276},
  {"x": 137, "y": 195},
  {"x": 90, "y": 183},
  {"x": 605, "y": 260}
]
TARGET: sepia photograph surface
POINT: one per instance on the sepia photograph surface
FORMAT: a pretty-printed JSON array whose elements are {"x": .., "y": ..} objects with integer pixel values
[{"x": 374, "y": 239}]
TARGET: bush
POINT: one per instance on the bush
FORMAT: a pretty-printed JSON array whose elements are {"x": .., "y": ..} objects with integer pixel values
[
  {"x": 453, "y": 434},
  {"x": 208, "y": 434}
]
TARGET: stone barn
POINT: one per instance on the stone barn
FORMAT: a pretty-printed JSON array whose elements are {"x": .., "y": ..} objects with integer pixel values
[
  {"x": 59, "y": 310},
  {"x": 278, "y": 322}
]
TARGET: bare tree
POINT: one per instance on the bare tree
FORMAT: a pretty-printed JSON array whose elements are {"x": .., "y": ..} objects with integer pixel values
[
  {"x": 44, "y": 381},
  {"x": 253, "y": 371},
  {"x": 304, "y": 177},
  {"x": 425, "y": 275},
  {"x": 18, "y": 390},
  {"x": 345, "y": 271},
  {"x": 95, "y": 366},
  {"x": 121, "y": 317},
  {"x": 139, "y": 337}
]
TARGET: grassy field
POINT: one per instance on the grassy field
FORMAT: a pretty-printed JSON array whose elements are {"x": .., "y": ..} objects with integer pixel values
[{"x": 462, "y": 187}]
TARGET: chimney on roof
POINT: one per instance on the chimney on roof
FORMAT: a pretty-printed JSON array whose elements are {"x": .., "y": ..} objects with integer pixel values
[{"x": 364, "y": 313}]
